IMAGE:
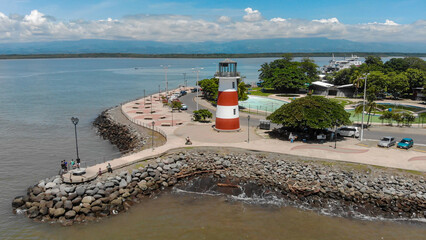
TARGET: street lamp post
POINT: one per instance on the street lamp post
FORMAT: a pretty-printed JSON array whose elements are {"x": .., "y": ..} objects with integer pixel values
[
  {"x": 144, "y": 101},
  {"x": 197, "y": 70},
  {"x": 74, "y": 120},
  {"x": 165, "y": 77},
  {"x": 184, "y": 80},
  {"x": 151, "y": 104},
  {"x": 152, "y": 135},
  {"x": 363, "y": 108},
  {"x": 248, "y": 129}
]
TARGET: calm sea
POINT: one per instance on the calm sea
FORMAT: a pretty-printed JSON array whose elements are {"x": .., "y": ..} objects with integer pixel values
[{"x": 37, "y": 99}]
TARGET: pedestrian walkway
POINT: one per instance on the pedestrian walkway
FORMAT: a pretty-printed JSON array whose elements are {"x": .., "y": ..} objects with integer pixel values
[{"x": 203, "y": 135}]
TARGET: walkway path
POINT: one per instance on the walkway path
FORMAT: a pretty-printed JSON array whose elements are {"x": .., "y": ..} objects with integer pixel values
[{"x": 204, "y": 135}]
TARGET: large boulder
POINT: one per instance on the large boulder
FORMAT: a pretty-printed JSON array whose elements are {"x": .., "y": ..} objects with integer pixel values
[
  {"x": 68, "y": 205},
  {"x": 70, "y": 214},
  {"x": 18, "y": 202},
  {"x": 76, "y": 201},
  {"x": 88, "y": 199},
  {"x": 37, "y": 190},
  {"x": 123, "y": 183},
  {"x": 80, "y": 191},
  {"x": 58, "y": 212},
  {"x": 50, "y": 185}
]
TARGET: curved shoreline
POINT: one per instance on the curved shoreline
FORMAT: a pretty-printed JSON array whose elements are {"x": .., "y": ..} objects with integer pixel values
[{"x": 368, "y": 190}]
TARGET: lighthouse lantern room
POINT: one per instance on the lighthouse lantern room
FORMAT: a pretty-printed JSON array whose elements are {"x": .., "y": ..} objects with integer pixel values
[{"x": 227, "y": 114}]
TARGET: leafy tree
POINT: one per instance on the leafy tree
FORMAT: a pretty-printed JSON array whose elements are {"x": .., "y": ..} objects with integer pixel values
[
  {"x": 377, "y": 83},
  {"x": 370, "y": 108},
  {"x": 416, "y": 63},
  {"x": 416, "y": 78},
  {"x": 342, "y": 77},
  {"x": 397, "y": 117},
  {"x": 357, "y": 78},
  {"x": 387, "y": 116},
  {"x": 408, "y": 118},
  {"x": 175, "y": 104},
  {"x": 397, "y": 84},
  {"x": 286, "y": 74},
  {"x": 313, "y": 112},
  {"x": 210, "y": 87},
  {"x": 202, "y": 115},
  {"x": 242, "y": 91},
  {"x": 372, "y": 63},
  {"x": 396, "y": 65}
]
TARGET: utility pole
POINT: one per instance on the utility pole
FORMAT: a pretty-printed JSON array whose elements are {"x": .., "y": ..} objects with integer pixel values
[
  {"x": 248, "y": 129},
  {"x": 197, "y": 70}
]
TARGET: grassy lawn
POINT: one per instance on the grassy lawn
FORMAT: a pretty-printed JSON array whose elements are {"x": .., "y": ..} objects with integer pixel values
[{"x": 257, "y": 91}]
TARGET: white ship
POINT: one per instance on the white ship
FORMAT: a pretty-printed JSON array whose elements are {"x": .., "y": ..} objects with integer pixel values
[{"x": 336, "y": 65}]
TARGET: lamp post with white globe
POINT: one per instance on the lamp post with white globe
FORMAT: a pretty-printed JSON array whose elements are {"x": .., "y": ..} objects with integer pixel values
[{"x": 74, "y": 120}]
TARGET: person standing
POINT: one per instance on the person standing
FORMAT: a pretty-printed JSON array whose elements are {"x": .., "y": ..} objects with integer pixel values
[
  {"x": 109, "y": 168},
  {"x": 78, "y": 163}
]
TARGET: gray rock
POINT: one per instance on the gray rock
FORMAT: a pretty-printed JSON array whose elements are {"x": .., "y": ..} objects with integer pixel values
[
  {"x": 50, "y": 185},
  {"x": 144, "y": 175},
  {"x": 68, "y": 205},
  {"x": 123, "y": 183},
  {"x": 71, "y": 196},
  {"x": 37, "y": 190},
  {"x": 80, "y": 191},
  {"x": 128, "y": 178},
  {"x": 58, "y": 212},
  {"x": 76, "y": 201},
  {"x": 70, "y": 214},
  {"x": 70, "y": 189},
  {"x": 18, "y": 202},
  {"x": 41, "y": 184},
  {"x": 57, "y": 180},
  {"x": 88, "y": 199},
  {"x": 109, "y": 185}
]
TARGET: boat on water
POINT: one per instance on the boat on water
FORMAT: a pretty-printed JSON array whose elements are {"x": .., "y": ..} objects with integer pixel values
[{"x": 337, "y": 65}]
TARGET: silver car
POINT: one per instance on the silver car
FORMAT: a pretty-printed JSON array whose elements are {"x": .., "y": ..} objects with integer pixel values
[{"x": 387, "y": 142}]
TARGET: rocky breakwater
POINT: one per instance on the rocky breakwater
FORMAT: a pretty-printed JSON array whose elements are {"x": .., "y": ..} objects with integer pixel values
[
  {"x": 124, "y": 137},
  {"x": 51, "y": 200},
  {"x": 303, "y": 182}
]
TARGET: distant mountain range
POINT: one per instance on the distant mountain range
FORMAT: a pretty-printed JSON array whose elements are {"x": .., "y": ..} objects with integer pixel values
[{"x": 301, "y": 45}]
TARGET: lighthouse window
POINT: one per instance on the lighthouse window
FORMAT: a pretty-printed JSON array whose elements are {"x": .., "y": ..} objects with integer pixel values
[
  {"x": 233, "y": 84},
  {"x": 235, "y": 111}
]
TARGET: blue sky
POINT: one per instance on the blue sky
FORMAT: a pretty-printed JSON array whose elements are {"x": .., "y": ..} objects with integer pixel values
[
  {"x": 217, "y": 20},
  {"x": 349, "y": 12}
]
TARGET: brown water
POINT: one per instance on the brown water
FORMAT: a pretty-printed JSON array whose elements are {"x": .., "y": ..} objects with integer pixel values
[{"x": 193, "y": 216}]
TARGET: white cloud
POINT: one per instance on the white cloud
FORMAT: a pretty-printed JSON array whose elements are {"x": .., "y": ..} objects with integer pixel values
[
  {"x": 277, "y": 19},
  {"x": 252, "y": 15},
  {"x": 177, "y": 28},
  {"x": 224, "y": 19},
  {"x": 329, "y": 20},
  {"x": 387, "y": 23}
]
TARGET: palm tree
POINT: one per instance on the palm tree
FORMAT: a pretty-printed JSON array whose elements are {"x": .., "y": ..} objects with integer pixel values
[
  {"x": 357, "y": 80},
  {"x": 370, "y": 107}
]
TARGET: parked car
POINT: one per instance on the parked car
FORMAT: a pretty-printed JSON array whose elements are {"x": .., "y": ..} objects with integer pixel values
[
  {"x": 183, "y": 93},
  {"x": 387, "y": 142},
  {"x": 405, "y": 143},
  {"x": 348, "y": 131},
  {"x": 184, "y": 107}
]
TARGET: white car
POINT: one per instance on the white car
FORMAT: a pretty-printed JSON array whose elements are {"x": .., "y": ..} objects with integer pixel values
[
  {"x": 184, "y": 107},
  {"x": 348, "y": 131}
]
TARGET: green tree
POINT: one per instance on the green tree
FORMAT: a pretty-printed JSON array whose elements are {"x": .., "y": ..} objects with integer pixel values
[
  {"x": 397, "y": 84},
  {"x": 377, "y": 83},
  {"x": 416, "y": 78},
  {"x": 372, "y": 63},
  {"x": 342, "y": 77},
  {"x": 314, "y": 112},
  {"x": 396, "y": 65},
  {"x": 397, "y": 117},
  {"x": 387, "y": 116},
  {"x": 370, "y": 108},
  {"x": 286, "y": 74},
  {"x": 357, "y": 79},
  {"x": 242, "y": 91},
  {"x": 408, "y": 118},
  {"x": 175, "y": 104},
  {"x": 202, "y": 115},
  {"x": 210, "y": 87}
]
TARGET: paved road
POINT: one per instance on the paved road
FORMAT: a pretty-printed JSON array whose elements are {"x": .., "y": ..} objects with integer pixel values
[{"x": 374, "y": 132}]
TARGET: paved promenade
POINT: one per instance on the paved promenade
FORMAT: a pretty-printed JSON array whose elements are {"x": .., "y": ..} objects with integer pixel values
[{"x": 178, "y": 125}]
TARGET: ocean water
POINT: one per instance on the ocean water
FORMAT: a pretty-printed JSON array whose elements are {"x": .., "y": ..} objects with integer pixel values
[{"x": 39, "y": 96}]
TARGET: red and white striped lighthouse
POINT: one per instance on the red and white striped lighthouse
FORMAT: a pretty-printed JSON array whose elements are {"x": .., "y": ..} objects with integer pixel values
[{"x": 227, "y": 114}]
